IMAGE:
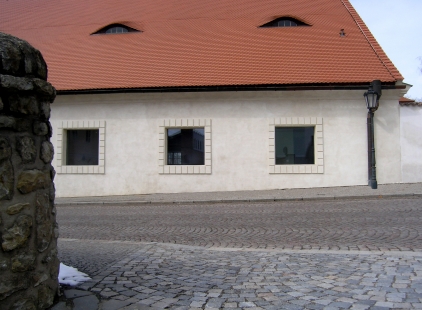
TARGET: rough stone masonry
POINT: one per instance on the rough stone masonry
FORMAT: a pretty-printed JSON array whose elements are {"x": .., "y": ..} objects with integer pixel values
[{"x": 28, "y": 230}]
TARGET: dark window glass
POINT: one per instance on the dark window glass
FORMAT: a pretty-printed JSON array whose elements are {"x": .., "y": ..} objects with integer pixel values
[
  {"x": 82, "y": 147},
  {"x": 287, "y": 23},
  {"x": 294, "y": 146},
  {"x": 115, "y": 28},
  {"x": 185, "y": 146},
  {"x": 284, "y": 22}
]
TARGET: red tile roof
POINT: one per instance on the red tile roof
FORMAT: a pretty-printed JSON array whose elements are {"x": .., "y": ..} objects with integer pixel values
[
  {"x": 403, "y": 101},
  {"x": 197, "y": 43}
]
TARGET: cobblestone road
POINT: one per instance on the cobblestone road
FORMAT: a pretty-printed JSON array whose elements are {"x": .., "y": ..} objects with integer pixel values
[
  {"x": 296, "y": 255},
  {"x": 377, "y": 224},
  {"x": 165, "y": 276}
]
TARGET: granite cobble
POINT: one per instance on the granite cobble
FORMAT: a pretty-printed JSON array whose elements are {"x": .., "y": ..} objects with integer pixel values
[
  {"x": 298, "y": 280},
  {"x": 362, "y": 225},
  {"x": 351, "y": 254}
]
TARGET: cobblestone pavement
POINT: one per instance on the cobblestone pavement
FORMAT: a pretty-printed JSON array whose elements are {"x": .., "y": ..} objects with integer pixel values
[
  {"x": 164, "y": 276},
  {"x": 352, "y": 254},
  {"x": 374, "y": 224}
]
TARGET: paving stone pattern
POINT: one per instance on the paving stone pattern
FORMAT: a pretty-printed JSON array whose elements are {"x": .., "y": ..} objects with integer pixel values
[
  {"x": 164, "y": 276},
  {"x": 366, "y": 225},
  {"x": 343, "y": 254},
  {"x": 93, "y": 257}
]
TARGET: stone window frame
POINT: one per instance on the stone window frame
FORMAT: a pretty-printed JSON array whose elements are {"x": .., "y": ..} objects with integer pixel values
[
  {"x": 187, "y": 123},
  {"x": 317, "y": 123},
  {"x": 61, "y": 166}
]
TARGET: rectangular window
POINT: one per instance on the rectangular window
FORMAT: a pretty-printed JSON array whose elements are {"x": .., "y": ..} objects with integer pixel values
[
  {"x": 185, "y": 146},
  {"x": 82, "y": 147},
  {"x": 294, "y": 146}
]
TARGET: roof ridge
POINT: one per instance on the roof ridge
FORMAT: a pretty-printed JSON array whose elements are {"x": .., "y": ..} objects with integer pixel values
[{"x": 394, "y": 72}]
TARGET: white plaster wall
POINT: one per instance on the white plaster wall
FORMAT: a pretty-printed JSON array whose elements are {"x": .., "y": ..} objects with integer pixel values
[
  {"x": 240, "y": 140},
  {"x": 411, "y": 143}
]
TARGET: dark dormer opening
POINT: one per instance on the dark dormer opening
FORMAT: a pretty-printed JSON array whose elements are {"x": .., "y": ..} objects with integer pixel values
[
  {"x": 284, "y": 22},
  {"x": 115, "y": 28}
]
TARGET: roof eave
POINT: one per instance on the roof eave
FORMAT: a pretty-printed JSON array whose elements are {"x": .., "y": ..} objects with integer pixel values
[{"x": 220, "y": 88}]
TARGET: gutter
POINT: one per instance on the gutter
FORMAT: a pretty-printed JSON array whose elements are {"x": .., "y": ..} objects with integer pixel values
[{"x": 227, "y": 88}]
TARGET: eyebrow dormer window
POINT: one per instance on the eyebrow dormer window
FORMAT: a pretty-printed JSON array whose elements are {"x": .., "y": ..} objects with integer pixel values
[
  {"x": 115, "y": 29},
  {"x": 284, "y": 22}
]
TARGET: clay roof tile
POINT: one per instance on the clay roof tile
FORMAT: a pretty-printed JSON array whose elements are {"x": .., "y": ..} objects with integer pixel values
[
  {"x": 187, "y": 43},
  {"x": 403, "y": 101}
]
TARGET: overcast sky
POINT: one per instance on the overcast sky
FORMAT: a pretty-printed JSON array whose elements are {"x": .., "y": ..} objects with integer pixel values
[{"x": 397, "y": 26}]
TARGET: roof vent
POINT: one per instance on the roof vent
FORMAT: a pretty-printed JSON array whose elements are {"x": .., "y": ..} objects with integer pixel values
[
  {"x": 342, "y": 33},
  {"x": 284, "y": 22},
  {"x": 115, "y": 28}
]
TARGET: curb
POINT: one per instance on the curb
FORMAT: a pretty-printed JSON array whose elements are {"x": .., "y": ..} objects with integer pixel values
[{"x": 322, "y": 198}]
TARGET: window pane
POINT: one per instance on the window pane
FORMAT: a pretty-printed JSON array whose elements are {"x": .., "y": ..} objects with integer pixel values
[
  {"x": 121, "y": 30},
  {"x": 294, "y": 146},
  {"x": 82, "y": 147},
  {"x": 285, "y": 23},
  {"x": 117, "y": 29},
  {"x": 185, "y": 146}
]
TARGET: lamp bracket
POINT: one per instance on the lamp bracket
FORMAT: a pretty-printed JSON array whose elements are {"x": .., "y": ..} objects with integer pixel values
[{"x": 376, "y": 87}]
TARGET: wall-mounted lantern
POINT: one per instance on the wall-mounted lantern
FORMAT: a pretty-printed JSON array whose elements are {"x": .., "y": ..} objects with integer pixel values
[{"x": 372, "y": 97}]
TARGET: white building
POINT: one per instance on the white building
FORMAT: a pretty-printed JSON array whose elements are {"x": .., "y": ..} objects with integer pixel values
[
  {"x": 411, "y": 140},
  {"x": 184, "y": 96}
]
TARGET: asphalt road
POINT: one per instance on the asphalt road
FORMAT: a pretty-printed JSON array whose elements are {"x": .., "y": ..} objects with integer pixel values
[{"x": 361, "y": 224}]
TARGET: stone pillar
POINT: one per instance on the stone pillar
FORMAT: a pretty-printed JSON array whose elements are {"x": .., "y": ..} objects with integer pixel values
[{"x": 28, "y": 229}]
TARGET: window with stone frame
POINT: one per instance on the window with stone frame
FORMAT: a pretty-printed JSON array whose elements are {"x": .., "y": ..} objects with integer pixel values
[
  {"x": 81, "y": 147},
  {"x": 296, "y": 145},
  {"x": 185, "y": 146}
]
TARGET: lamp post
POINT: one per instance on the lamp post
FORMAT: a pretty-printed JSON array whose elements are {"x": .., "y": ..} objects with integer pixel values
[{"x": 372, "y": 97}]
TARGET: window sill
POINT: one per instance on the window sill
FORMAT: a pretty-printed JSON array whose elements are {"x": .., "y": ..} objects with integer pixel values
[
  {"x": 296, "y": 169},
  {"x": 80, "y": 169},
  {"x": 185, "y": 169}
]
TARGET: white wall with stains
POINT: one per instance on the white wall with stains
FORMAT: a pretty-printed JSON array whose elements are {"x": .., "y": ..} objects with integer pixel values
[{"x": 239, "y": 140}]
